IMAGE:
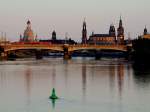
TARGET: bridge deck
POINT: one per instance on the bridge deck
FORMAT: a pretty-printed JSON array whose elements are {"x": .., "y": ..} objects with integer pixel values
[{"x": 57, "y": 47}]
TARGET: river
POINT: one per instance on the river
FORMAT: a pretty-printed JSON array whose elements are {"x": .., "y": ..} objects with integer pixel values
[{"x": 82, "y": 85}]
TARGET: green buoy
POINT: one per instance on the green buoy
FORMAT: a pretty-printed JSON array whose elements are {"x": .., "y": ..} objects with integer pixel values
[{"x": 53, "y": 96}]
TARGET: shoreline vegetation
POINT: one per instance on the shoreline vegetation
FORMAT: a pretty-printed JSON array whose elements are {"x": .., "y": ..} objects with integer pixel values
[{"x": 141, "y": 51}]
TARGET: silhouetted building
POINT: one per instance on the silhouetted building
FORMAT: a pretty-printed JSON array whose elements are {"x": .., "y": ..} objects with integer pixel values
[
  {"x": 54, "y": 40},
  {"x": 112, "y": 31},
  {"x": 145, "y": 31},
  {"x": 54, "y": 35},
  {"x": 146, "y": 35},
  {"x": 28, "y": 34},
  {"x": 104, "y": 39},
  {"x": 120, "y": 33},
  {"x": 84, "y": 33}
]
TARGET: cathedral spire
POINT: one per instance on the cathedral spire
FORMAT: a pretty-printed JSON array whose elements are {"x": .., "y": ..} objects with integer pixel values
[
  {"x": 84, "y": 33},
  {"x": 120, "y": 22},
  {"x": 54, "y": 35},
  {"x": 145, "y": 30},
  {"x": 84, "y": 24},
  {"x": 120, "y": 32}
]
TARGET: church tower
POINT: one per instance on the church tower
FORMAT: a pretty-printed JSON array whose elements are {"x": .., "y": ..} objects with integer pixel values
[
  {"x": 54, "y": 35},
  {"x": 84, "y": 33},
  {"x": 145, "y": 31},
  {"x": 120, "y": 31},
  {"x": 112, "y": 31}
]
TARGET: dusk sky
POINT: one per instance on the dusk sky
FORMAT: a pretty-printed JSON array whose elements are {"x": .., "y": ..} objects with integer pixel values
[{"x": 68, "y": 15}]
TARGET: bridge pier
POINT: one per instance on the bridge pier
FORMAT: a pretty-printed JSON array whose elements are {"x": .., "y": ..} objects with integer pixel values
[
  {"x": 11, "y": 55},
  {"x": 98, "y": 54},
  {"x": 3, "y": 56},
  {"x": 39, "y": 54},
  {"x": 67, "y": 49},
  {"x": 67, "y": 54}
]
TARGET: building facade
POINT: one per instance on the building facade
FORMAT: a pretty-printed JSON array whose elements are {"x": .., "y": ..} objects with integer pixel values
[
  {"x": 104, "y": 39},
  {"x": 110, "y": 38},
  {"x": 55, "y": 40},
  {"x": 28, "y": 35}
]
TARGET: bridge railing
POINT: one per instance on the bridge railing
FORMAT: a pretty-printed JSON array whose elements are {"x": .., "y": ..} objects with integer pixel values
[
  {"x": 32, "y": 46},
  {"x": 60, "y": 46},
  {"x": 88, "y": 45}
]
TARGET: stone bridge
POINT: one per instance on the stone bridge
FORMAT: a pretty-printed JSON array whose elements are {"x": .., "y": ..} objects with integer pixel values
[{"x": 66, "y": 49}]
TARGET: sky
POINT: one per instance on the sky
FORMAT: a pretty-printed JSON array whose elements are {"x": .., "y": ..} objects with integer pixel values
[{"x": 66, "y": 16}]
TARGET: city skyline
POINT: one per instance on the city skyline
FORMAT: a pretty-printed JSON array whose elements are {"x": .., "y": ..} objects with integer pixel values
[{"x": 68, "y": 16}]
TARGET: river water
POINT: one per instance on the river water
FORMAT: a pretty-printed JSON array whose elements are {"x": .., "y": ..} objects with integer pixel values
[{"x": 82, "y": 84}]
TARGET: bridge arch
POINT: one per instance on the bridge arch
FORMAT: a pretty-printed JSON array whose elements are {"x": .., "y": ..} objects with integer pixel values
[
  {"x": 35, "y": 47},
  {"x": 66, "y": 49},
  {"x": 102, "y": 47}
]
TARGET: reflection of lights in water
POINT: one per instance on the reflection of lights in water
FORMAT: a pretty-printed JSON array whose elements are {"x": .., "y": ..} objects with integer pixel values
[
  {"x": 28, "y": 82},
  {"x": 112, "y": 77},
  {"x": 28, "y": 85},
  {"x": 120, "y": 78},
  {"x": 120, "y": 75},
  {"x": 94, "y": 79},
  {"x": 84, "y": 81},
  {"x": 66, "y": 62}
]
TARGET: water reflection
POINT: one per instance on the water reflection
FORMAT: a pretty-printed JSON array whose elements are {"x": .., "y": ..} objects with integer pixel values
[
  {"x": 53, "y": 76},
  {"x": 28, "y": 84},
  {"x": 2, "y": 77},
  {"x": 120, "y": 78},
  {"x": 84, "y": 81},
  {"x": 112, "y": 70},
  {"x": 66, "y": 72},
  {"x": 53, "y": 101},
  {"x": 85, "y": 85}
]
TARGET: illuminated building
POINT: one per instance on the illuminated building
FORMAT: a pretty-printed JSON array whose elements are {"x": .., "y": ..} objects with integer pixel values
[
  {"x": 28, "y": 34},
  {"x": 104, "y": 39},
  {"x": 110, "y": 38}
]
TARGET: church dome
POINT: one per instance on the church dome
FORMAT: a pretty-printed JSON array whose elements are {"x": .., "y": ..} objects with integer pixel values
[
  {"x": 28, "y": 22},
  {"x": 28, "y": 33}
]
